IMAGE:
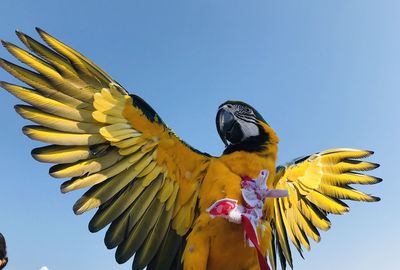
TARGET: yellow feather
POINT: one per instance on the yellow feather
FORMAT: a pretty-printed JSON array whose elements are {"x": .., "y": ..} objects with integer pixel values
[
  {"x": 184, "y": 217},
  {"x": 142, "y": 164},
  {"x": 288, "y": 228},
  {"x": 108, "y": 119},
  {"x": 64, "y": 50},
  {"x": 152, "y": 175},
  {"x": 27, "y": 76},
  {"x": 83, "y": 64},
  {"x": 103, "y": 104},
  {"x": 120, "y": 126},
  {"x": 192, "y": 207},
  {"x": 99, "y": 177},
  {"x": 166, "y": 191},
  {"x": 75, "y": 89},
  {"x": 187, "y": 195},
  {"x": 326, "y": 203},
  {"x": 335, "y": 155},
  {"x": 61, "y": 154},
  {"x": 345, "y": 193},
  {"x": 105, "y": 191},
  {"x": 149, "y": 147},
  {"x": 32, "y": 61},
  {"x": 296, "y": 229},
  {"x": 56, "y": 122},
  {"x": 171, "y": 200},
  {"x": 349, "y": 178},
  {"x": 280, "y": 229},
  {"x": 86, "y": 167},
  {"x": 116, "y": 232},
  {"x": 109, "y": 133},
  {"x": 148, "y": 169},
  {"x": 353, "y": 166},
  {"x": 135, "y": 157},
  {"x": 303, "y": 225},
  {"x": 59, "y": 62},
  {"x": 38, "y": 82},
  {"x": 130, "y": 150},
  {"x": 94, "y": 198},
  {"x": 48, "y": 105},
  {"x": 142, "y": 203},
  {"x": 114, "y": 111},
  {"x": 115, "y": 138},
  {"x": 179, "y": 220},
  {"x": 318, "y": 222},
  {"x": 139, "y": 233},
  {"x": 117, "y": 92},
  {"x": 154, "y": 241},
  {"x": 61, "y": 138}
]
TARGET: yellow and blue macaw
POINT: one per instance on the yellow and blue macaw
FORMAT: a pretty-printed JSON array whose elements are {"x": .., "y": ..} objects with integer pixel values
[{"x": 151, "y": 188}]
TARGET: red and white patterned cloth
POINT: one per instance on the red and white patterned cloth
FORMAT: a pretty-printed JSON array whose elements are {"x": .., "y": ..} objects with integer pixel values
[{"x": 254, "y": 193}]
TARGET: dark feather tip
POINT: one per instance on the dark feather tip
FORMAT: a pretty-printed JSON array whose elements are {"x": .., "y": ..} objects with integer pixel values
[
  {"x": 40, "y": 30},
  {"x": 18, "y": 107},
  {"x": 92, "y": 228},
  {"x": 4, "y": 43},
  {"x": 20, "y": 35},
  {"x": 64, "y": 185},
  {"x": 25, "y": 130},
  {"x": 376, "y": 199},
  {"x": 35, "y": 153},
  {"x": 75, "y": 208},
  {"x": 55, "y": 168},
  {"x": 4, "y": 63}
]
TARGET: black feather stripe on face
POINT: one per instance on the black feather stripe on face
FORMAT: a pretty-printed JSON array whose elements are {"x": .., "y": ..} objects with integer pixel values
[{"x": 243, "y": 104}]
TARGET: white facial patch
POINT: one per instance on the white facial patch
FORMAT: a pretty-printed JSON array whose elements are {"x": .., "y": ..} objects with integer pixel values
[{"x": 248, "y": 129}]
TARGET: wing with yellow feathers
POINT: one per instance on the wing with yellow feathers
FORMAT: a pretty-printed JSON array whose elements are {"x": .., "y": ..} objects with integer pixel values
[
  {"x": 113, "y": 143},
  {"x": 316, "y": 185}
]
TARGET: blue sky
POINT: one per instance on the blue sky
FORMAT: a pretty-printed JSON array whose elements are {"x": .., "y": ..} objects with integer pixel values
[{"x": 323, "y": 74}]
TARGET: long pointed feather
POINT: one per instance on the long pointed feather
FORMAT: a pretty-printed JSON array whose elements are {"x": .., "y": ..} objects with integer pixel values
[
  {"x": 58, "y": 61},
  {"x": 153, "y": 241},
  {"x": 56, "y": 122},
  {"x": 125, "y": 222},
  {"x": 61, "y": 138},
  {"x": 139, "y": 233},
  {"x": 48, "y": 104}
]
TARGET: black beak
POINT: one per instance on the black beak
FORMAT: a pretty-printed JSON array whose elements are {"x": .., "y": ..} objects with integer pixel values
[{"x": 225, "y": 121}]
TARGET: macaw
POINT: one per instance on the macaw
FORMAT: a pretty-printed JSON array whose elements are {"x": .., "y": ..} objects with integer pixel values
[{"x": 151, "y": 188}]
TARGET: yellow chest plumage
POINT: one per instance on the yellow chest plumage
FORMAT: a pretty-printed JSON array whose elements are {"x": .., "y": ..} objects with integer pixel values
[{"x": 217, "y": 243}]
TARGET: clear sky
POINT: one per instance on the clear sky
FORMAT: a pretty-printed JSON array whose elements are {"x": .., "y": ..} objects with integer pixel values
[{"x": 323, "y": 74}]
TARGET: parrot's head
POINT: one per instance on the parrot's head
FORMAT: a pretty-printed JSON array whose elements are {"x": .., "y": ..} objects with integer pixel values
[{"x": 241, "y": 127}]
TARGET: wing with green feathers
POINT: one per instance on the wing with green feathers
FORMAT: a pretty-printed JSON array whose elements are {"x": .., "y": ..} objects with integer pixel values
[
  {"x": 317, "y": 184},
  {"x": 142, "y": 178}
]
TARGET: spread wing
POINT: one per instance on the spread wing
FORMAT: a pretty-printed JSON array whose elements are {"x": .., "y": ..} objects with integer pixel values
[
  {"x": 141, "y": 177},
  {"x": 317, "y": 184}
]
